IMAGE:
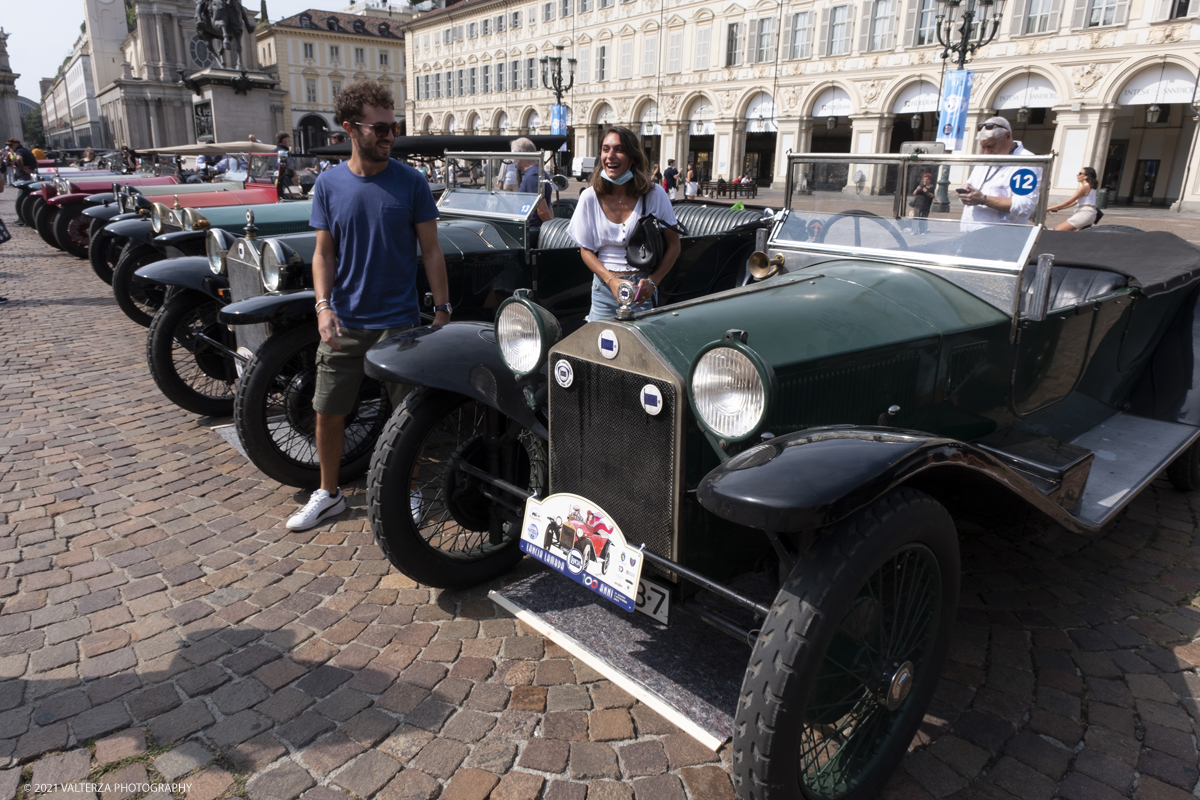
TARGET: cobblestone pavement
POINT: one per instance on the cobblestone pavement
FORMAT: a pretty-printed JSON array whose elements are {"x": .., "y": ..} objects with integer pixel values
[{"x": 160, "y": 626}]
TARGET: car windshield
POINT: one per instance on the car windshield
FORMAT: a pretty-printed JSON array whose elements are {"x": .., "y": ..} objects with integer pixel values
[
  {"x": 910, "y": 208},
  {"x": 491, "y": 183}
]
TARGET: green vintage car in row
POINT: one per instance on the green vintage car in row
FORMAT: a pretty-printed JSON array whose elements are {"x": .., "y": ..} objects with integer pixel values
[{"x": 874, "y": 369}]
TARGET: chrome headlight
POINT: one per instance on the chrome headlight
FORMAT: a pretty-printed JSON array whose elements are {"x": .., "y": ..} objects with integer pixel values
[
  {"x": 270, "y": 266},
  {"x": 731, "y": 388},
  {"x": 216, "y": 245},
  {"x": 193, "y": 220},
  {"x": 159, "y": 216},
  {"x": 525, "y": 332}
]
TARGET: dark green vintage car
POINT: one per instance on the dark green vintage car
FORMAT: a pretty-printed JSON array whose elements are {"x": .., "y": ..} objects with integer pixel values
[{"x": 874, "y": 368}]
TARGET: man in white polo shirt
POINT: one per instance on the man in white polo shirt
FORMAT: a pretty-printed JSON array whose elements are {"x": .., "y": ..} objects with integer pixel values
[{"x": 988, "y": 197}]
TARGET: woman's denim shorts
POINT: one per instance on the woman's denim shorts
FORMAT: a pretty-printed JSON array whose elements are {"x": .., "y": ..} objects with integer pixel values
[{"x": 604, "y": 305}]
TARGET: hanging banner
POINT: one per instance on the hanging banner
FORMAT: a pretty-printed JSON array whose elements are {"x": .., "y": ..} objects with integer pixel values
[
  {"x": 953, "y": 119},
  {"x": 558, "y": 122}
]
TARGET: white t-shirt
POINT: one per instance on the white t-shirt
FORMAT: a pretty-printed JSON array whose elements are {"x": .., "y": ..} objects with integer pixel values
[
  {"x": 993, "y": 181},
  {"x": 607, "y": 239},
  {"x": 511, "y": 174}
]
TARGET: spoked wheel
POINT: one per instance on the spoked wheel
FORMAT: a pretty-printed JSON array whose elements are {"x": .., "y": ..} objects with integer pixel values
[
  {"x": 846, "y": 664},
  {"x": 461, "y": 537},
  {"x": 43, "y": 220},
  {"x": 71, "y": 230},
  {"x": 193, "y": 373},
  {"x": 273, "y": 412},
  {"x": 104, "y": 251},
  {"x": 140, "y": 301}
]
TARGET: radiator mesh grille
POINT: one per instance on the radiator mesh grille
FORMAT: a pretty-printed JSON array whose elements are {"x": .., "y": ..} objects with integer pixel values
[
  {"x": 605, "y": 447},
  {"x": 245, "y": 282}
]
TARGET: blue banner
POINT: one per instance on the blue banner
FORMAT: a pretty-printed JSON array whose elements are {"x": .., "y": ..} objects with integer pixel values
[
  {"x": 558, "y": 120},
  {"x": 956, "y": 95}
]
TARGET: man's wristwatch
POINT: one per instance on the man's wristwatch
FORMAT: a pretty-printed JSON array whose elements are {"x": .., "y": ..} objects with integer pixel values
[{"x": 449, "y": 309}]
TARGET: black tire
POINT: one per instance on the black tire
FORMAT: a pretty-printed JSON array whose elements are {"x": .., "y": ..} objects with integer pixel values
[
  {"x": 19, "y": 208},
  {"x": 274, "y": 417},
  {"x": 606, "y": 558},
  {"x": 43, "y": 220},
  {"x": 452, "y": 548},
  {"x": 192, "y": 374},
  {"x": 139, "y": 301},
  {"x": 1184, "y": 471},
  {"x": 847, "y": 594},
  {"x": 31, "y": 208},
  {"x": 104, "y": 251},
  {"x": 71, "y": 230},
  {"x": 589, "y": 554}
]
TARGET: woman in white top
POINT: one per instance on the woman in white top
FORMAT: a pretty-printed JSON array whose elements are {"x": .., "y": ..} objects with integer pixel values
[
  {"x": 1084, "y": 199},
  {"x": 621, "y": 192}
]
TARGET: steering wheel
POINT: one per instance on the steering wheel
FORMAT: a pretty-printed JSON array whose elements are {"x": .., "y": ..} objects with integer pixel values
[{"x": 856, "y": 214}]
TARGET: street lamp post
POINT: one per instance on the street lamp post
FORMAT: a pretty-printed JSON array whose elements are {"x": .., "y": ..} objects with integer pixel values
[
  {"x": 957, "y": 32},
  {"x": 552, "y": 79}
]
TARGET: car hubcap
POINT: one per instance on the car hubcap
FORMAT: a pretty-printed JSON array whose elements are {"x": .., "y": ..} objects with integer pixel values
[{"x": 901, "y": 684}]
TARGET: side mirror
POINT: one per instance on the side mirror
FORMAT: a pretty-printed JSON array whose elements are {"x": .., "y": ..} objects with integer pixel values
[
  {"x": 560, "y": 182},
  {"x": 1037, "y": 298}
]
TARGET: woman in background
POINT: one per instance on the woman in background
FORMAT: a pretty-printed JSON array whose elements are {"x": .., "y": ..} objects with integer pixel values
[{"x": 1084, "y": 199}]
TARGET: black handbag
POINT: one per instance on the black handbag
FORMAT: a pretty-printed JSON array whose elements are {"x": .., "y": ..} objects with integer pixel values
[
  {"x": 4, "y": 234},
  {"x": 645, "y": 247}
]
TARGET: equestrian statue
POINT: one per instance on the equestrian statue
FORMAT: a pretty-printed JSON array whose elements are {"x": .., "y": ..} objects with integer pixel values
[{"x": 223, "y": 20}]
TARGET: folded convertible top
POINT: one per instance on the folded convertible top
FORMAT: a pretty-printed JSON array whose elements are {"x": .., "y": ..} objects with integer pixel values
[{"x": 1154, "y": 261}]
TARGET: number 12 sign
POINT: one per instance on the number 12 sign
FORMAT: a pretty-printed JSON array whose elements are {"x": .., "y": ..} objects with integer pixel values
[{"x": 1024, "y": 181}]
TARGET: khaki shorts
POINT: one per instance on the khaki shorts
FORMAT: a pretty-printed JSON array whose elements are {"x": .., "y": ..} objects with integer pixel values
[
  {"x": 340, "y": 372},
  {"x": 1086, "y": 215}
]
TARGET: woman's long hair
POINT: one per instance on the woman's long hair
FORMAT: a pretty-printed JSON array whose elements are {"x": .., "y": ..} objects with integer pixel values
[
  {"x": 637, "y": 164},
  {"x": 1089, "y": 174}
]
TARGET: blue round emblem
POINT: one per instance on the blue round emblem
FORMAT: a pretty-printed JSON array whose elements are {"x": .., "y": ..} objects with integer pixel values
[
  {"x": 575, "y": 562},
  {"x": 1024, "y": 181}
]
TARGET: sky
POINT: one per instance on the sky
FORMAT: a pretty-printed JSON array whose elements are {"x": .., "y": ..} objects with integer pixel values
[{"x": 41, "y": 33}]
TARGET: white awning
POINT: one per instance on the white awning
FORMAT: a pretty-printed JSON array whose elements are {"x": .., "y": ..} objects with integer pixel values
[
  {"x": 534, "y": 121},
  {"x": 476, "y": 124},
  {"x": 1027, "y": 91},
  {"x": 503, "y": 123},
  {"x": 833, "y": 102},
  {"x": 649, "y": 120},
  {"x": 1169, "y": 83},
  {"x": 605, "y": 115},
  {"x": 760, "y": 114},
  {"x": 917, "y": 98},
  {"x": 452, "y": 125}
]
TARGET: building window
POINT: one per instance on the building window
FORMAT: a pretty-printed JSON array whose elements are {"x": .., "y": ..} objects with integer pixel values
[
  {"x": 764, "y": 40},
  {"x": 447, "y": 36},
  {"x": 310, "y": 89},
  {"x": 360, "y": 55},
  {"x": 626, "y": 60},
  {"x": 585, "y": 6},
  {"x": 675, "y": 51},
  {"x": 606, "y": 3},
  {"x": 500, "y": 24},
  {"x": 500, "y": 68},
  {"x": 602, "y": 63},
  {"x": 486, "y": 88},
  {"x": 473, "y": 31},
  {"x": 514, "y": 75},
  {"x": 336, "y": 86},
  {"x": 383, "y": 58},
  {"x": 802, "y": 35},
  {"x": 427, "y": 41},
  {"x": 450, "y": 84},
  {"x": 650, "y": 56},
  {"x": 733, "y": 44},
  {"x": 335, "y": 52},
  {"x": 547, "y": 12},
  {"x": 531, "y": 73},
  {"x": 531, "y": 15},
  {"x": 881, "y": 25},
  {"x": 306, "y": 21},
  {"x": 474, "y": 80},
  {"x": 566, "y": 8},
  {"x": 437, "y": 84},
  {"x": 927, "y": 23},
  {"x": 460, "y": 86},
  {"x": 702, "y": 37},
  {"x": 1102, "y": 12},
  {"x": 584, "y": 67},
  {"x": 487, "y": 26},
  {"x": 516, "y": 19},
  {"x": 839, "y": 30},
  {"x": 308, "y": 50},
  {"x": 426, "y": 87}
]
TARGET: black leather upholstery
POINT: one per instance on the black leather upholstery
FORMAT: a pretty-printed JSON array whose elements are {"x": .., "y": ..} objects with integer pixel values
[{"x": 1070, "y": 286}]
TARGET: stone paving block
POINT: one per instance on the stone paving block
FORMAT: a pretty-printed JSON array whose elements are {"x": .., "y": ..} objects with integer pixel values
[
  {"x": 411, "y": 784},
  {"x": 642, "y": 759},
  {"x": 63, "y": 768},
  {"x": 189, "y": 718},
  {"x": 367, "y": 774},
  {"x": 369, "y": 727},
  {"x": 470, "y": 784},
  {"x": 9, "y": 780},
  {"x": 182, "y": 760},
  {"x": 234, "y": 697},
  {"x": 405, "y": 743},
  {"x": 1077, "y": 786},
  {"x": 493, "y": 754},
  {"x": 518, "y": 786},
  {"x": 305, "y": 728},
  {"x": 330, "y": 753},
  {"x": 1020, "y": 780},
  {"x": 1150, "y": 788},
  {"x": 122, "y": 783},
  {"x": 1175, "y": 771},
  {"x": 285, "y": 782},
  {"x": 343, "y": 704},
  {"x": 254, "y": 754},
  {"x": 99, "y": 720},
  {"x": 125, "y": 744},
  {"x": 711, "y": 783},
  {"x": 1106, "y": 769},
  {"x": 593, "y": 760},
  {"x": 211, "y": 784},
  {"x": 440, "y": 758},
  {"x": 567, "y": 790}
]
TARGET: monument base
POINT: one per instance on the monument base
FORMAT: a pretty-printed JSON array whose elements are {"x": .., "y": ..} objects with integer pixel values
[{"x": 230, "y": 105}]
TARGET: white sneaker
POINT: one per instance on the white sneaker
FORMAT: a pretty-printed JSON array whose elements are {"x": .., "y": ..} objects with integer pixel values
[
  {"x": 319, "y": 507},
  {"x": 414, "y": 500}
]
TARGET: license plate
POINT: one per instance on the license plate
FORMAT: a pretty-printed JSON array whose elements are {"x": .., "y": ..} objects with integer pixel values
[
  {"x": 576, "y": 537},
  {"x": 654, "y": 601}
]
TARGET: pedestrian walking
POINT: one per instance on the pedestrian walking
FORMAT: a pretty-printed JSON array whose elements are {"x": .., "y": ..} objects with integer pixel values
[
  {"x": 671, "y": 179},
  {"x": 921, "y": 202},
  {"x": 693, "y": 185},
  {"x": 369, "y": 213}
]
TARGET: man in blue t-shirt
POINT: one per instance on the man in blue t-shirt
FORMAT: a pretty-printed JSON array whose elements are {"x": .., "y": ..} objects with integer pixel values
[
  {"x": 529, "y": 182},
  {"x": 671, "y": 179},
  {"x": 369, "y": 214}
]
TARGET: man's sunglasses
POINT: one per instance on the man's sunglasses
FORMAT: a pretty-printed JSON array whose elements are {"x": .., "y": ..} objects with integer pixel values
[
  {"x": 381, "y": 129},
  {"x": 987, "y": 126}
]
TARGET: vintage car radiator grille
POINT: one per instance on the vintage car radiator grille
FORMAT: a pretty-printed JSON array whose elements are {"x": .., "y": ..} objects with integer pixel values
[
  {"x": 245, "y": 282},
  {"x": 605, "y": 447}
]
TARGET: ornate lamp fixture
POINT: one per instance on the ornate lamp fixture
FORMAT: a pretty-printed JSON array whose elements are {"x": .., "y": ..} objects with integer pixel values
[{"x": 957, "y": 32}]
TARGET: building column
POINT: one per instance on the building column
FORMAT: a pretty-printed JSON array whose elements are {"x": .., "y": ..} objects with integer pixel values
[
  {"x": 738, "y": 151},
  {"x": 723, "y": 150}
]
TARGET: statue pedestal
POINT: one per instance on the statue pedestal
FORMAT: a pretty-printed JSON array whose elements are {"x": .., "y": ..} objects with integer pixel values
[{"x": 229, "y": 105}]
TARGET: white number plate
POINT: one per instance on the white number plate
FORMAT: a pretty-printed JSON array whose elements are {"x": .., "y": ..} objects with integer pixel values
[{"x": 653, "y": 600}]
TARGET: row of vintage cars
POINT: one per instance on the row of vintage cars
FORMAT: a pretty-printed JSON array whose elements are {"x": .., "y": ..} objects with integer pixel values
[{"x": 820, "y": 386}]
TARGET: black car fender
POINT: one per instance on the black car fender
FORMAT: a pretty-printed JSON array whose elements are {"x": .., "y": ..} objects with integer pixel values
[
  {"x": 178, "y": 244},
  {"x": 101, "y": 199},
  {"x": 107, "y": 213},
  {"x": 136, "y": 230},
  {"x": 459, "y": 357},
  {"x": 190, "y": 272},
  {"x": 272, "y": 308},
  {"x": 814, "y": 478}
]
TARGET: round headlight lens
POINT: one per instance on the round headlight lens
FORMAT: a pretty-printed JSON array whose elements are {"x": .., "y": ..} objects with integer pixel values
[
  {"x": 157, "y": 214},
  {"x": 215, "y": 248},
  {"x": 270, "y": 268},
  {"x": 728, "y": 392},
  {"x": 518, "y": 337}
]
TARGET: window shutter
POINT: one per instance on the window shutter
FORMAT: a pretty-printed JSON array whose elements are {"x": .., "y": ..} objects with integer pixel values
[
  {"x": 1019, "y": 11},
  {"x": 1122, "y": 14},
  {"x": 823, "y": 44},
  {"x": 864, "y": 36},
  {"x": 1079, "y": 14},
  {"x": 789, "y": 22},
  {"x": 889, "y": 40},
  {"x": 849, "y": 29},
  {"x": 910, "y": 23}
]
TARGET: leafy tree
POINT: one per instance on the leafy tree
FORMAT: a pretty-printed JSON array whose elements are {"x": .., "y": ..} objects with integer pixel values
[{"x": 31, "y": 127}]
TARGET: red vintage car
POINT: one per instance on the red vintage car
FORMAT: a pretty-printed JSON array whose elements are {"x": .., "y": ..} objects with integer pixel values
[
  {"x": 54, "y": 213},
  {"x": 591, "y": 537}
]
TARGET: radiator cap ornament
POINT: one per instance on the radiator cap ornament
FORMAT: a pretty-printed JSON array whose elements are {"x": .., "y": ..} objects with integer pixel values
[
  {"x": 651, "y": 399},
  {"x": 608, "y": 343},
  {"x": 563, "y": 373}
]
